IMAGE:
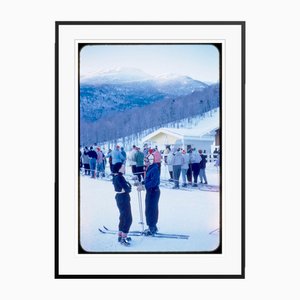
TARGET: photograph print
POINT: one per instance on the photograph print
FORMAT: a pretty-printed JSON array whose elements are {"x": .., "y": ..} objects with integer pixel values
[{"x": 149, "y": 148}]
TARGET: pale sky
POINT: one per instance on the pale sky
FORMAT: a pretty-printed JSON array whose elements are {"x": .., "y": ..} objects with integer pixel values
[{"x": 201, "y": 62}]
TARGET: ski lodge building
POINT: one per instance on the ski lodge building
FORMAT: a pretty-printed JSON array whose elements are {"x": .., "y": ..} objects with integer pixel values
[{"x": 204, "y": 136}]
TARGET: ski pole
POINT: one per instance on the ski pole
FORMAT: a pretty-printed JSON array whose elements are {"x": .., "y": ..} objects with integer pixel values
[
  {"x": 141, "y": 209},
  {"x": 214, "y": 231}
]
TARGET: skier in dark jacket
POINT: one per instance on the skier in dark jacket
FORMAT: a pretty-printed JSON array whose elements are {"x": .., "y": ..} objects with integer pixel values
[
  {"x": 93, "y": 159},
  {"x": 202, "y": 172},
  {"x": 122, "y": 188},
  {"x": 152, "y": 181},
  {"x": 86, "y": 161}
]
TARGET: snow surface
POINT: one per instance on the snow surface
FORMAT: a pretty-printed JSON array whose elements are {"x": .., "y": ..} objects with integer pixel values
[{"x": 192, "y": 212}]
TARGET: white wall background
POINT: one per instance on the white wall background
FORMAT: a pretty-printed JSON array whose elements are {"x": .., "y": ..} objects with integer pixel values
[{"x": 27, "y": 148}]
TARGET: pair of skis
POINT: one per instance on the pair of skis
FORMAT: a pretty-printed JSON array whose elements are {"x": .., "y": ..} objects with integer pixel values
[
  {"x": 105, "y": 230},
  {"x": 189, "y": 188}
]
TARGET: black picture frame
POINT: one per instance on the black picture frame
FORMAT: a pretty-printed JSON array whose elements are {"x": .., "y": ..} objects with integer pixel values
[{"x": 58, "y": 124}]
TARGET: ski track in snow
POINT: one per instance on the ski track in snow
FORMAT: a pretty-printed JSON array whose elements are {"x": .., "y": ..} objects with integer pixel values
[{"x": 193, "y": 213}]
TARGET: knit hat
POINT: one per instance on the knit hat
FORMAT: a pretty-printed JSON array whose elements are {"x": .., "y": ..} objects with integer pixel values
[{"x": 117, "y": 167}]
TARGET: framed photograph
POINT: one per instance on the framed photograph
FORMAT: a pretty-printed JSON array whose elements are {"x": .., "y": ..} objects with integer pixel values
[{"x": 150, "y": 150}]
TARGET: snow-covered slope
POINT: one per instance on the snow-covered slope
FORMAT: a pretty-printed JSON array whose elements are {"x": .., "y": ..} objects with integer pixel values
[
  {"x": 199, "y": 125},
  {"x": 195, "y": 213}
]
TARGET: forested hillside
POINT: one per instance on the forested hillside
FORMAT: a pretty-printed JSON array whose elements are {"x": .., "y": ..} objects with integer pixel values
[{"x": 121, "y": 122}]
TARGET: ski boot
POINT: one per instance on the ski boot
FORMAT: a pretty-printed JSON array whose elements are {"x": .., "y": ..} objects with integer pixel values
[
  {"x": 120, "y": 238},
  {"x": 150, "y": 231},
  {"x": 125, "y": 241}
]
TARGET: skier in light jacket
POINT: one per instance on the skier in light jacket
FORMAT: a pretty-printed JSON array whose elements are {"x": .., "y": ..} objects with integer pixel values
[
  {"x": 157, "y": 158},
  {"x": 195, "y": 159},
  {"x": 139, "y": 158},
  {"x": 131, "y": 159},
  {"x": 177, "y": 162},
  {"x": 117, "y": 156},
  {"x": 170, "y": 165},
  {"x": 184, "y": 167}
]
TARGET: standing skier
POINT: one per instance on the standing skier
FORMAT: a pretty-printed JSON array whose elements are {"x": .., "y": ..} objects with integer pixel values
[
  {"x": 100, "y": 163},
  {"x": 139, "y": 158},
  {"x": 86, "y": 161},
  {"x": 157, "y": 158},
  {"x": 195, "y": 160},
  {"x": 177, "y": 162},
  {"x": 202, "y": 173},
  {"x": 93, "y": 160},
  {"x": 131, "y": 159},
  {"x": 122, "y": 188},
  {"x": 184, "y": 167},
  {"x": 117, "y": 156},
  {"x": 152, "y": 182}
]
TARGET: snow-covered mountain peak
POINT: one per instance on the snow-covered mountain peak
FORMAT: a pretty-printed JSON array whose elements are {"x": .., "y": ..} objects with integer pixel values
[
  {"x": 170, "y": 76},
  {"x": 116, "y": 75}
]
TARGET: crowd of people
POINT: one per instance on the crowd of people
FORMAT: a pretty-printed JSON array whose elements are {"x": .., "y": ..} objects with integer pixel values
[{"x": 185, "y": 166}]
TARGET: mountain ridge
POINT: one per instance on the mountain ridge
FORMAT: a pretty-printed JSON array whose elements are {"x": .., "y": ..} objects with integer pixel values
[{"x": 125, "y": 88}]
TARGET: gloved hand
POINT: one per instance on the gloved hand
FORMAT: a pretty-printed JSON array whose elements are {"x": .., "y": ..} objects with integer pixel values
[{"x": 140, "y": 188}]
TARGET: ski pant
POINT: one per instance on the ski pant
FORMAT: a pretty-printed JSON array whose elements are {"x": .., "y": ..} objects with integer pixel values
[
  {"x": 176, "y": 172},
  {"x": 183, "y": 174},
  {"x": 133, "y": 169},
  {"x": 93, "y": 166},
  {"x": 202, "y": 176},
  {"x": 125, "y": 219},
  {"x": 140, "y": 172},
  {"x": 100, "y": 168},
  {"x": 195, "y": 169},
  {"x": 86, "y": 169},
  {"x": 151, "y": 212},
  {"x": 189, "y": 173}
]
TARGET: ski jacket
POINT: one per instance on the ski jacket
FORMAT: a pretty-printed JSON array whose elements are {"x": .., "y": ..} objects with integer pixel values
[
  {"x": 117, "y": 156},
  {"x": 85, "y": 158},
  {"x": 169, "y": 161},
  {"x": 92, "y": 154},
  {"x": 195, "y": 157},
  {"x": 186, "y": 161},
  {"x": 152, "y": 179},
  {"x": 177, "y": 159},
  {"x": 120, "y": 184},
  {"x": 124, "y": 154},
  {"x": 139, "y": 158},
  {"x": 131, "y": 158},
  {"x": 157, "y": 156},
  {"x": 99, "y": 157},
  {"x": 203, "y": 161}
]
